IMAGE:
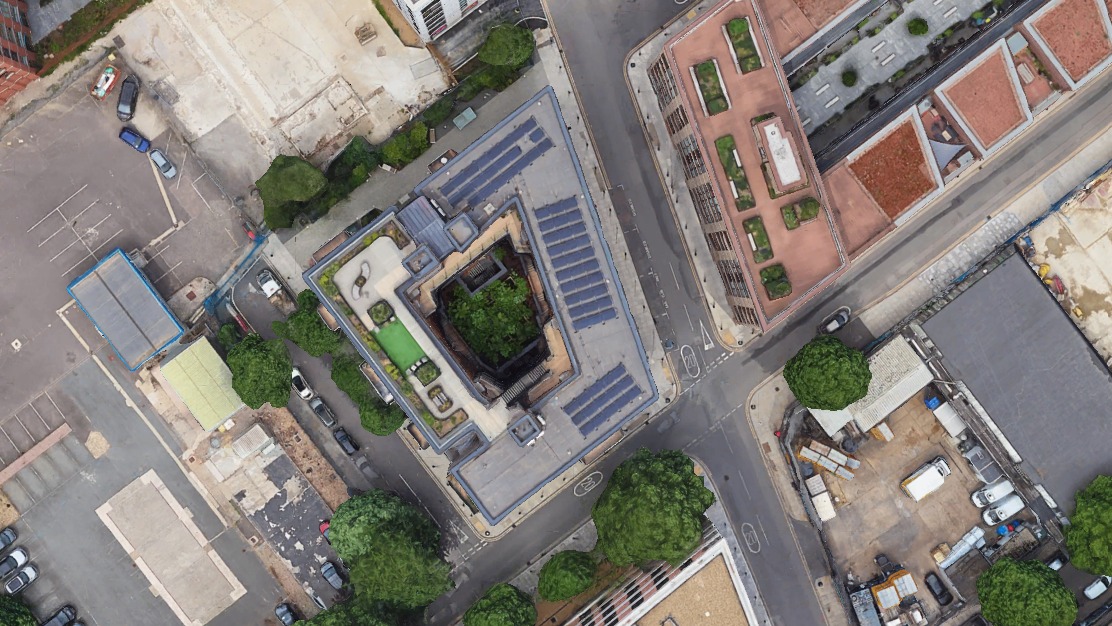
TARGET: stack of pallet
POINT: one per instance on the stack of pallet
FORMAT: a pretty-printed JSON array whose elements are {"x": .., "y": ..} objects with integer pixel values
[{"x": 830, "y": 459}]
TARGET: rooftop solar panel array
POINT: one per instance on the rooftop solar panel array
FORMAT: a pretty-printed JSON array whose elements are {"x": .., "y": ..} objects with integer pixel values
[
  {"x": 602, "y": 399},
  {"x": 578, "y": 273},
  {"x": 494, "y": 169}
]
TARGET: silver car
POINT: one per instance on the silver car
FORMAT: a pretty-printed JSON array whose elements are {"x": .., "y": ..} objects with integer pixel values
[
  {"x": 163, "y": 164},
  {"x": 22, "y": 580}
]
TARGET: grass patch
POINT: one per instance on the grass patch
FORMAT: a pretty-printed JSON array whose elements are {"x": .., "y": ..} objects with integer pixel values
[
  {"x": 382, "y": 12},
  {"x": 725, "y": 147},
  {"x": 399, "y": 345},
  {"x": 755, "y": 227},
  {"x": 791, "y": 219},
  {"x": 710, "y": 85},
  {"x": 775, "y": 282},
  {"x": 744, "y": 46}
]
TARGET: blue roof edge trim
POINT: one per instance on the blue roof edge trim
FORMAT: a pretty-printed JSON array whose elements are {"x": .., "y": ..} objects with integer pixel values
[{"x": 150, "y": 288}]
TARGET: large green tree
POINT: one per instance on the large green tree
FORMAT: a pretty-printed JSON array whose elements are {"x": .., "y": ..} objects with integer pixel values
[
  {"x": 1025, "y": 593},
  {"x": 375, "y": 415},
  {"x": 652, "y": 509},
  {"x": 306, "y": 329},
  {"x": 827, "y": 374},
  {"x": 261, "y": 371},
  {"x": 351, "y": 613},
  {"x": 13, "y": 612},
  {"x": 288, "y": 184},
  {"x": 1089, "y": 535},
  {"x": 391, "y": 549},
  {"x": 502, "y": 605},
  {"x": 497, "y": 321},
  {"x": 507, "y": 45},
  {"x": 566, "y": 575}
]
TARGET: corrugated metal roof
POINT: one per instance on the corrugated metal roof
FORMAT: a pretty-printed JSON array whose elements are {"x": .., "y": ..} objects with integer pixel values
[
  {"x": 423, "y": 222},
  {"x": 203, "y": 382}
]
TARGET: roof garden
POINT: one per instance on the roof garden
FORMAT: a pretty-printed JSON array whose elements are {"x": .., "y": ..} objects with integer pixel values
[
  {"x": 896, "y": 168},
  {"x": 764, "y": 176},
  {"x": 986, "y": 98},
  {"x": 1076, "y": 34},
  {"x": 491, "y": 309}
]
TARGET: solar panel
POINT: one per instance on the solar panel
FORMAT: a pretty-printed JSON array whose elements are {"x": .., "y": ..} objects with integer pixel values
[
  {"x": 572, "y": 257},
  {"x": 556, "y": 208},
  {"x": 581, "y": 242},
  {"x": 601, "y": 399},
  {"x": 578, "y": 269},
  {"x": 587, "y": 294},
  {"x": 576, "y": 284},
  {"x": 473, "y": 168},
  {"x": 609, "y": 410},
  {"x": 607, "y": 379},
  {"x": 587, "y": 322},
  {"x": 567, "y": 232},
  {"x": 557, "y": 221},
  {"x": 485, "y": 174},
  {"x": 526, "y": 159},
  {"x": 537, "y": 135},
  {"x": 585, "y": 309}
]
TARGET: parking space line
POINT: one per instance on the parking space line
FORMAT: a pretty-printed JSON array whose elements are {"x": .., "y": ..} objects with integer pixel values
[
  {"x": 72, "y": 244},
  {"x": 58, "y": 207},
  {"x": 76, "y": 217},
  {"x": 75, "y": 266},
  {"x": 102, "y": 220},
  {"x": 25, "y": 428},
  {"x": 38, "y": 414},
  {"x": 167, "y": 272},
  {"x": 105, "y": 242},
  {"x": 60, "y": 229}
]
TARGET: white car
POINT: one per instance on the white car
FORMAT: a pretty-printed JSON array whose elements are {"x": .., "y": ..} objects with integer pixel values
[
  {"x": 24, "y": 578},
  {"x": 1003, "y": 510},
  {"x": 992, "y": 493},
  {"x": 1097, "y": 588},
  {"x": 301, "y": 386}
]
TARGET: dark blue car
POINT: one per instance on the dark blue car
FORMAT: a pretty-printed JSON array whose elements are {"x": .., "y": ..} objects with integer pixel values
[{"x": 131, "y": 137}]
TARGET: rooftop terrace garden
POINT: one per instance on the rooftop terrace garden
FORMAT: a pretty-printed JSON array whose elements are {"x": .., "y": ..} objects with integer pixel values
[
  {"x": 745, "y": 49},
  {"x": 497, "y": 322},
  {"x": 800, "y": 212},
  {"x": 710, "y": 87},
  {"x": 758, "y": 239},
  {"x": 731, "y": 164},
  {"x": 775, "y": 281},
  {"x": 895, "y": 171}
]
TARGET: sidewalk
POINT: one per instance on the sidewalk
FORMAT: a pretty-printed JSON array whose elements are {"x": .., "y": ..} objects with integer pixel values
[{"x": 670, "y": 170}]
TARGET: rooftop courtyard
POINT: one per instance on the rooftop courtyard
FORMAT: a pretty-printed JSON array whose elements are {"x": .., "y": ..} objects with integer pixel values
[{"x": 491, "y": 308}]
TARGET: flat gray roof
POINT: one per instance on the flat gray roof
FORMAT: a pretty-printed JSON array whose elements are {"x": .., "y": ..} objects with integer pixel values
[
  {"x": 125, "y": 309},
  {"x": 1035, "y": 374}
]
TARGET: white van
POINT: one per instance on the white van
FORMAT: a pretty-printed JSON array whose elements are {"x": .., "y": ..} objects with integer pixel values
[
  {"x": 991, "y": 493},
  {"x": 1003, "y": 510},
  {"x": 927, "y": 479}
]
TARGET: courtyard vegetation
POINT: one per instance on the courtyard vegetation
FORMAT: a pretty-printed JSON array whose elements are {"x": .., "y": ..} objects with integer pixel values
[
  {"x": 497, "y": 322},
  {"x": 758, "y": 238},
  {"x": 710, "y": 86},
  {"x": 775, "y": 281},
  {"x": 744, "y": 47},
  {"x": 800, "y": 212},
  {"x": 306, "y": 329},
  {"x": 566, "y": 575}
]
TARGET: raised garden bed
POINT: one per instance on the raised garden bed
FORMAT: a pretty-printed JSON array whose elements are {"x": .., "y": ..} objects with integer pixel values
[
  {"x": 381, "y": 313},
  {"x": 710, "y": 86},
  {"x": 444, "y": 426},
  {"x": 427, "y": 373},
  {"x": 745, "y": 49},
  {"x": 758, "y": 239},
  {"x": 800, "y": 212},
  {"x": 440, "y": 399},
  {"x": 731, "y": 164},
  {"x": 400, "y": 345},
  {"x": 775, "y": 282}
]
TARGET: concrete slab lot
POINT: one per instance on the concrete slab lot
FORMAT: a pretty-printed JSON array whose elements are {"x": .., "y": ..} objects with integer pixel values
[{"x": 170, "y": 550}]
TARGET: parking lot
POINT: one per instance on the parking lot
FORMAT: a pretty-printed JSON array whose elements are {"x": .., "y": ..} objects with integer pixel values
[{"x": 876, "y": 517}]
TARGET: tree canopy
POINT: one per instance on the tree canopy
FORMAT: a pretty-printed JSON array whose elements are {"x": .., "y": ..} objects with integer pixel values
[
  {"x": 286, "y": 186},
  {"x": 1089, "y": 535},
  {"x": 404, "y": 147},
  {"x": 652, "y": 509},
  {"x": 306, "y": 329},
  {"x": 375, "y": 415},
  {"x": 13, "y": 612},
  {"x": 497, "y": 321},
  {"x": 351, "y": 613},
  {"x": 1025, "y": 593},
  {"x": 502, "y": 605},
  {"x": 827, "y": 374},
  {"x": 507, "y": 45},
  {"x": 261, "y": 371},
  {"x": 566, "y": 575},
  {"x": 391, "y": 549}
]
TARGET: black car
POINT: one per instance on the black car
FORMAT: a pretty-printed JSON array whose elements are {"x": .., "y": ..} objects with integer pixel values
[
  {"x": 323, "y": 412},
  {"x": 62, "y": 616},
  {"x": 285, "y": 614},
  {"x": 346, "y": 442},
  {"x": 938, "y": 589},
  {"x": 129, "y": 96}
]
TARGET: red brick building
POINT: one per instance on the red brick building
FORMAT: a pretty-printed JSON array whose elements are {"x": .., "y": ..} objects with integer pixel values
[{"x": 15, "y": 49}]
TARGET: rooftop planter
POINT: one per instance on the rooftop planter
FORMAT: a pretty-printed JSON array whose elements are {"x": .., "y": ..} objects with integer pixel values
[
  {"x": 427, "y": 372},
  {"x": 758, "y": 239},
  {"x": 775, "y": 282},
  {"x": 381, "y": 313},
  {"x": 711, "y": 92},
  {"x": 746, "y": 55},
  {"x": 731, "y": 164},
  {"x": 443, "y": 426},
  {"x": 800, "y": 212}
]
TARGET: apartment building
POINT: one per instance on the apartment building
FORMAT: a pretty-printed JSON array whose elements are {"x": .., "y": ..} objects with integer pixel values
[{"x": 15, "y": 49}]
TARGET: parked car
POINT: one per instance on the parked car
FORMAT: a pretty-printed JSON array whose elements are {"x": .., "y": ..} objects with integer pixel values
[
  {"x": 165, "y": 167},
  {"x": 129, "y": 97},
  {"x": 7, "y": 538},
  {"x": 131, "y": 137},
  {"x": 324, "y": 526},
  {"x": 1057, "y": 560},
  {"x": 1098, "y": 587},
  {"x": 347, "y": 444},
  {"x": 1003, "y": 510},
  {"x": 835, "y": 321},
  {"x": 285, "y": 614},
  {"x": 15, "y": 560},
  {"x": 62, "y": 616},
  {"x": 301, "y": 386},
  {"x": 323, "y": 412},
  {"x": 938, "y": 589},
  {"x": 984, "y": 467},
  {"x": 21, "y": 580},
  {"x": 992, "y": 493},
  {"x": 332, "y": 575}
]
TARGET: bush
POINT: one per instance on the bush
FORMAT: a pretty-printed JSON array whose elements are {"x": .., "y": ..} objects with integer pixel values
[
  {"x": 288, "y": 184},
  {"x": 496, "y": 322},
  {"x": 306, "y": 329},
  {"x": 376, "y": 416},
  {"x": 808, "y": 209},
  {"x": 508, "y": 46},
  {"x": 403, "y": 148},
  {"x": 775, "y": 281},
  {"x": 566, "y": 575},
  {"x": 917, "y": 26},
  {"x": 439, "y": 110},
  {"x": 791, "y": 220},
  {"x": 1087, "y": 536},
  {"x": 849, "y": 78},
  {"x": 261, "y": 371},
  {"x": 502, "y": 605},
  {"x": 228, "y": 337},
  {"x": 427, "y": 373},
  {"x": 13, "y": 612}
]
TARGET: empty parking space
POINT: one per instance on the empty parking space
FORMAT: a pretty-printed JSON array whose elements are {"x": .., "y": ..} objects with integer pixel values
[{"x": 22, "y": 431}]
